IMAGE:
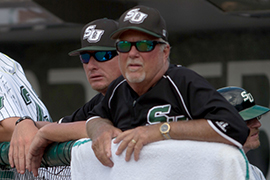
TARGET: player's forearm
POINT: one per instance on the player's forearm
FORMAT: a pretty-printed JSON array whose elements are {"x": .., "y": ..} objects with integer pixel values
[
  {"x": 198, "y": 130},
  {"x": 5, "y": 135},
  {"x": 64, "y": 131},
  {"x": 40, "y": 124},
  {"x": 6, "y": 128},
  {"x": 95, "y": 125}
]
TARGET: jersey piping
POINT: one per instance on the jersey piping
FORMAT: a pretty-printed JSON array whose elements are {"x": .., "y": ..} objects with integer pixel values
[
  {"x": 209, "y": 121},
  {"x": 109, "y": 102},
  {"x": 223, "y": 135},
  {"x": 179, "y": 94}
]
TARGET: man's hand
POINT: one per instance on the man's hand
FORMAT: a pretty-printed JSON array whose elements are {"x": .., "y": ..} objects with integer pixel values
[
  {"x": 134, "y": 139},
  {"x": 101, "y": 132},
  {"x": 35, "y": 153},
  {"x": 21, "y": 139}
]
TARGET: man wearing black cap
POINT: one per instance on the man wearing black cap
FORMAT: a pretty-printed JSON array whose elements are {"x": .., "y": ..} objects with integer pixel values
[
  {"x": 154, "y": 100},
  {"x": 244, "y": 102},
  {"x": 100, "y": 62}
]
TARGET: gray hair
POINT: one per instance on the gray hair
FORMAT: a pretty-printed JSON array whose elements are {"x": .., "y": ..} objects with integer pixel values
[{"x": 163, "y": 46}]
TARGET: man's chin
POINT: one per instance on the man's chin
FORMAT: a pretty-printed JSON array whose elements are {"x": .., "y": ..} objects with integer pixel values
[
  {"x": 135, "y": 78},
  {"x": 254, "y": 145},
  {"x": 99, "y": 88}
]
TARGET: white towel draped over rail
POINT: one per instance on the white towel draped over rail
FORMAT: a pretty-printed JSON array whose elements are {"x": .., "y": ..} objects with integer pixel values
[{"x": 164, "y": 160}]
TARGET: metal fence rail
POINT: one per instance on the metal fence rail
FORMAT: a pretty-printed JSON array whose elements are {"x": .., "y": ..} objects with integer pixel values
[{"x": 55, "y": 163}]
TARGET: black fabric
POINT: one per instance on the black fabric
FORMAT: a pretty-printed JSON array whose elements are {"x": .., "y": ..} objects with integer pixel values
[
  {"x": 179, "y": 95},
  {"x": 81, "y": 114}
]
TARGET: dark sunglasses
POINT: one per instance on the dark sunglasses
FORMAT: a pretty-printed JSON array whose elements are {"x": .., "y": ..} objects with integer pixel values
[
  {"x": 100, "y": 56},
  {"x": 142, "y": 46}
]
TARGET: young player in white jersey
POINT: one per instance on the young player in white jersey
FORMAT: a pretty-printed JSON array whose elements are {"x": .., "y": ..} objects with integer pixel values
[
  {"x": 21, "y": 110},
  {"x": 17, "y": 96}
]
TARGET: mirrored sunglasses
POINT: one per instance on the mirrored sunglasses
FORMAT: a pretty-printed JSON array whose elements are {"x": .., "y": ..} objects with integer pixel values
[
  {"x": 141, "y": 46},
  {"x": 100, "y": 56}
]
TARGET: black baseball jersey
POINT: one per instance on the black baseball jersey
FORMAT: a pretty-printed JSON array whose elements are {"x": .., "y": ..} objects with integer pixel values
[
  {"x": 81, "y": 114},
  {"x": 181, "y": 94}
]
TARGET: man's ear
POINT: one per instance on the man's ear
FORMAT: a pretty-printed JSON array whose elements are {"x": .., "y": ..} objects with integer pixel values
[{"x": 167, "y": 51}]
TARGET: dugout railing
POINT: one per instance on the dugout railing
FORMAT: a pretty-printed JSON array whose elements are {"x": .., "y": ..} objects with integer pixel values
[{"x": 55, "y": 163}]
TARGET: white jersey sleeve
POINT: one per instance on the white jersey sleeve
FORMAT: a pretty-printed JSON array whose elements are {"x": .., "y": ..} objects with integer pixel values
[
  {"x": 257, "y": 173},
  {"x": 17, "y": 97}
]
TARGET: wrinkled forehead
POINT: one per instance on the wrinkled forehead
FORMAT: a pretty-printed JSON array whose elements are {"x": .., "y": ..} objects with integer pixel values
[{"x": 134, "y": 35}]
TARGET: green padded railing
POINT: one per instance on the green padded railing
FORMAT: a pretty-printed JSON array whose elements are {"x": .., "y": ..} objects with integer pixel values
[{"x": 57, "y": 154}]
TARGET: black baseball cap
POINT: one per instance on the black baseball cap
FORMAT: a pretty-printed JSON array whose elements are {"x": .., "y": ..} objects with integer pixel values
[
  {"x": 95, "y": 36},
  {"x": 142, "y": 18},
  {"x": 243, "y": 101}
]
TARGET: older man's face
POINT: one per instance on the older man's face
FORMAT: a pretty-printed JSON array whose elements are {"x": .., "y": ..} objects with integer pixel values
[
  {"x": 142, "y": 67},
  {"x": 253, "y": 141}
]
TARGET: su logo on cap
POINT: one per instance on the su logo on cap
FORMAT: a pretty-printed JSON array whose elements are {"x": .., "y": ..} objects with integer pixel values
[
  {"x": 92, "y": 35},
  {"x": 135, "y": 16},
  {"x": 247, "y": 96}
]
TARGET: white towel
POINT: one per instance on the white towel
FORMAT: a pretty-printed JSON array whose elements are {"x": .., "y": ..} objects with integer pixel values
[{"x": 164, "y": 160}]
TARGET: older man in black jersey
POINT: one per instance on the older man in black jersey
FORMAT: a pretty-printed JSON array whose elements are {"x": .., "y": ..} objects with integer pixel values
[{"x": 154, "y": 100}]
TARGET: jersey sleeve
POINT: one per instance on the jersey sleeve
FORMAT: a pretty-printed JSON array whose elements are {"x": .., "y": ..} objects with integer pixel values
[
  {"x": 81, "y": 114},
  {"x": 203, "y": 101},
  {"x": 10, "y": 105},
  {"x": 9, "y": 102},
  {"x": 17, "y": 97}
]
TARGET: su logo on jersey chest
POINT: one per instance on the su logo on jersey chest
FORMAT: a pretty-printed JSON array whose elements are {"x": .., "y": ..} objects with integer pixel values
[{"x": 159, "y": 114}]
